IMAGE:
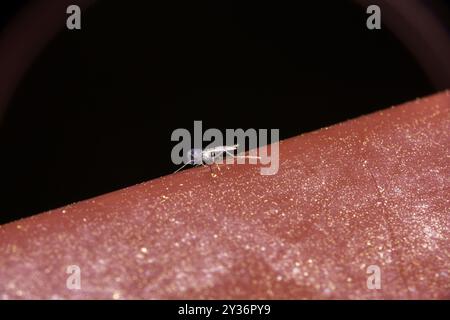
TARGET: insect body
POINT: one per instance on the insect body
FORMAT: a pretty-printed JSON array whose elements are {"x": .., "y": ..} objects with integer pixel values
[{"x": 209, "y": 156}]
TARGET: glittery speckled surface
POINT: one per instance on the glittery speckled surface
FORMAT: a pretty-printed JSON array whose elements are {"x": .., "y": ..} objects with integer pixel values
[{"x": 371, "y": 191}]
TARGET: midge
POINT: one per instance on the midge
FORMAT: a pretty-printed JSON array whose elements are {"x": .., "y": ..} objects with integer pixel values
[
  {"x": 256, "y": 140},
  {"x": 209, "y": 156}
]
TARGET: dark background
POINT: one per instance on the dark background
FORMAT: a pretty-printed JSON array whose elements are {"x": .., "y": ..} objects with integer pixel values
[{"x": 96, "y": 110}]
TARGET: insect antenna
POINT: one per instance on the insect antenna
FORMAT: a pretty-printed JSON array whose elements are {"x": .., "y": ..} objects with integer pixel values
[{"x": 183, "y": 166}]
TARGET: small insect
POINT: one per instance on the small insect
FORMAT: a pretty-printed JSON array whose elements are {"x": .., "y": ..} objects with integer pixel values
[{"x": 208, "y": 156}]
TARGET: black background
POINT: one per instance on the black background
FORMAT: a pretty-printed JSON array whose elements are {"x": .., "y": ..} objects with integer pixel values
[{"x": 96, "y": 110}]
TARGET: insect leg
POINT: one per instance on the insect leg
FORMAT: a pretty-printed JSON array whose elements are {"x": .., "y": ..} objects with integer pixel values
[{"x": 218, "y": 155}]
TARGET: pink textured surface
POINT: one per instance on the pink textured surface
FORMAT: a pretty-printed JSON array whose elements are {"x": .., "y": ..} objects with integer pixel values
[{"x": 370, "y": 191}]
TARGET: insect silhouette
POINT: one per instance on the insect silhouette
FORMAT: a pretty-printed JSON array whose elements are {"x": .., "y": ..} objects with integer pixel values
[{"x": 209, "y": 156}]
